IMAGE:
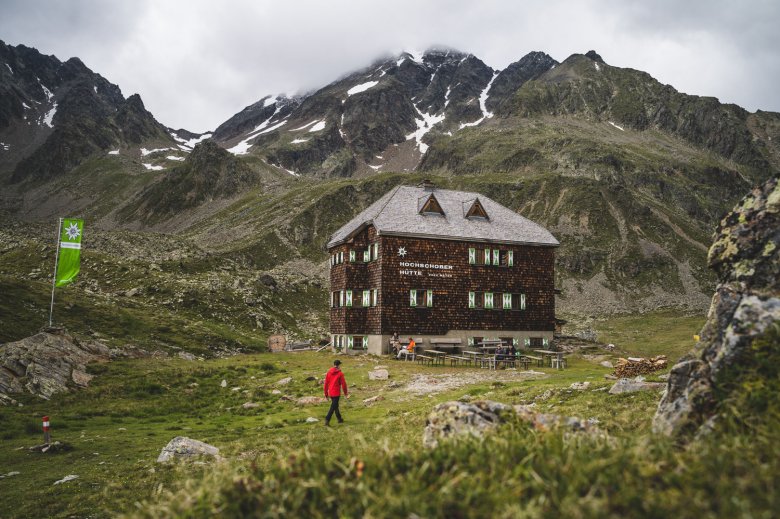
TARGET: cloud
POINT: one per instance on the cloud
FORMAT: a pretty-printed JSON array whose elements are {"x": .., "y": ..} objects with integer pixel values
[{"x": 196, "y": 63}]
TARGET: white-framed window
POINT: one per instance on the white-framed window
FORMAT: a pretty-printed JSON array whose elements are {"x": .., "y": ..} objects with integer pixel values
[
  {"x": 507, "y": 301},
  {"x": 488, "y": 300},
  {"x": 421, "y": 297},
  {"x": 472, "y": 256}
]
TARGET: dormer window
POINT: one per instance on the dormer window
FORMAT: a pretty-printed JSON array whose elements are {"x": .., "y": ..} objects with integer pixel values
[
  {"x": 431, "y": 206},
  {"x": 476, "y": 210}
]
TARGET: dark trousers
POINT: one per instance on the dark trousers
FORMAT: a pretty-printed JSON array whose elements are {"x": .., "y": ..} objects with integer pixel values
[{"x": 334, "y": 408}]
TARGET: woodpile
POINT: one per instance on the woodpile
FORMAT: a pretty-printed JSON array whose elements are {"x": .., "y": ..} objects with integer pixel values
[{"x": 635, "y": 366}]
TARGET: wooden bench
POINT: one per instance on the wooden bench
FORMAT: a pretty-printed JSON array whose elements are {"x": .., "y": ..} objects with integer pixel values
[
  {"x": 425, "y": 359},
  {"x": 539, "y": 360},
  {"x": 455, "y": 360}
]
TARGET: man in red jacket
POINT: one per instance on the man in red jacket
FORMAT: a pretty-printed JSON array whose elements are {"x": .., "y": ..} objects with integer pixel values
[{"x": 334, "y": 383}]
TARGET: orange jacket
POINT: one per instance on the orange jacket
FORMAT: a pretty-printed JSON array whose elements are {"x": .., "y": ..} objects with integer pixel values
[
  {"x": 335, "y": 382},
  {"x": 411, "y": 346}
]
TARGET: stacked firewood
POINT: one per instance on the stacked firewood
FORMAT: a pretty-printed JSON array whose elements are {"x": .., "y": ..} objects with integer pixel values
[{"x": 634, "y": 366}]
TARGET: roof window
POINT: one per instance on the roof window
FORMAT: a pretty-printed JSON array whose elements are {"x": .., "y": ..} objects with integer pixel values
[
  {"x": 476, "y": 210},
  {"x": 431, "y": 206}
]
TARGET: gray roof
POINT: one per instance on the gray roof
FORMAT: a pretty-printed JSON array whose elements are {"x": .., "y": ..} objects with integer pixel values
[{"x": 397, "y": 213}]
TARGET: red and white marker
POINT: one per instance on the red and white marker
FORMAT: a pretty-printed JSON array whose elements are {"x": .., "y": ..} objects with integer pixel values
[{"x": 46, "y": 429}]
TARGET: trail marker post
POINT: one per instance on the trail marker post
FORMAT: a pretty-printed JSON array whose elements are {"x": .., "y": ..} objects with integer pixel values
[{"x": 46, "y": 436}]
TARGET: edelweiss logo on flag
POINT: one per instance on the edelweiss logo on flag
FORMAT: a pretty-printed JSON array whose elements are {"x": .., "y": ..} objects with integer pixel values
[{"x": 69, "y": 261}]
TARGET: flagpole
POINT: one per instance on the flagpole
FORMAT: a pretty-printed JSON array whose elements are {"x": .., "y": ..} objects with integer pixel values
[{"x": 54, "y": 277}]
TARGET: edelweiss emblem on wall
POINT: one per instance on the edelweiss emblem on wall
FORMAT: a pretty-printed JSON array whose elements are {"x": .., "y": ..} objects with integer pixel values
[{"x": 402, "y": 251}]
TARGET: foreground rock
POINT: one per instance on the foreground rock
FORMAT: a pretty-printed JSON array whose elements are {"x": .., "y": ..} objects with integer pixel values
[
  {"x": 455, "y": 419},
  {"x": 632, "y": 385},
  {"x": 47, "y": 363},
  {"x": 187, "y": 448},
  {"x": 378, "y": 374},
  {"x": 746, "y": 256}
]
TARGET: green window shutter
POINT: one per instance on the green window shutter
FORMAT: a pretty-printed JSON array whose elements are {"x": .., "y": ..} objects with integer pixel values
[
  {"x": 341, "y": 257},
  {"x": 507, "y": 301},
  {"x": 341, "y": 298},
  {"x": 366, "y": 298},
  {"x": 527, "y": 343},
  {"x": 511, "y": 258},
  {"x": 545, "y": 342},
  {"x": 488, "y": 300},
  {"x": 366, "y": 255},
  {"x": 376, "y": 251},
  {"x": 487, "y": 256},
  {"x": 350, "y": 342},
  {"x": 374, "y": 297},
  {"x": 352, "y": 256},
  {"x": 413, "y": 298},
  {"x": 472, "y": 299},
  {"x": 349, "y": 297},
  {"x": 429, "y": 298},
  {"x": 522, "y": 301},
  {"x": 515, "y": 342},
  {"x": 495, "y": 257},
  {"x": 472, "y": 256}
]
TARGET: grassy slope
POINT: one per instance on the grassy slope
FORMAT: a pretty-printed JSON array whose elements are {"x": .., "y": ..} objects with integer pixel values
[{"x": 133, "y": 408}]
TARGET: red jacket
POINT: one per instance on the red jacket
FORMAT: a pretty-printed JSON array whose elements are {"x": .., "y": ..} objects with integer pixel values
[{"x": 334, "y": 382}]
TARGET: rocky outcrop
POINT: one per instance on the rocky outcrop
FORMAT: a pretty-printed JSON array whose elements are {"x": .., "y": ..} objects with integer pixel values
[
  {"x": 47, "y": 363},
  {"x": 187, "y": 448},
  {"x": 746, "y": 256},
  {"x": 456, "y": 419}
]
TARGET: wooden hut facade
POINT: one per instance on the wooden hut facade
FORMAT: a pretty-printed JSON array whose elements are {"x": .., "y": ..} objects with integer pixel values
[{"x": 432, "y": 264}]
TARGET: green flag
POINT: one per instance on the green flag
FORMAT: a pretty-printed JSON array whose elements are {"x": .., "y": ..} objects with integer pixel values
[{"x": 69, "y": 261}]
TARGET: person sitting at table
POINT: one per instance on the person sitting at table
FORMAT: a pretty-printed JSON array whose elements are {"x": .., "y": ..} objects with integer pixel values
[
  {"x": 500, "y": 353},
  {"x": 395, "y": 344},
  {"x": 513, "y": 352},
  {"x": 409, "y": 350}
]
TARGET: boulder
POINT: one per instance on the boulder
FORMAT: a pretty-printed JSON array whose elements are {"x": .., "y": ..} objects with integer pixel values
[
  {"x": 373, "y": 399},
  {"x": 606, "y": 364},
  {"x": 311, "y": 419},
  {"x": 378, "y": 374},
  {"x": 311, "y": 400},
  {"x": 580, "y": 386},
  {"x": 186, "y": 355},
  {"x": 47, "y": 363},
  {"x": 746, "y": 304},
  {"x": 452, "y": 419},
  {"x": 546, "y": 421},
  {"x": 186, "y": 448},
  {"x": 250, "y": 405},
  {"x": 632, "y": 385},
  {"x": 284, "y": 381}
]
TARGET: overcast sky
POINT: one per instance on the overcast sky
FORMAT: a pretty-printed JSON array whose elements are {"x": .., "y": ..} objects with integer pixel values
[{"x": 198, "y": 62}]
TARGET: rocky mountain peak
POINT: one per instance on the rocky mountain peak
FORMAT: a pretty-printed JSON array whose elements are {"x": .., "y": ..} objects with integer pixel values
[{"x": 592, "y": 54}]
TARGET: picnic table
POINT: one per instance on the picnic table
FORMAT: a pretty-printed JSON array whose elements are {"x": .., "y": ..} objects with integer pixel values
[
  {"x": 549, "y": 354},
  {"x": 438, "y": 356}
]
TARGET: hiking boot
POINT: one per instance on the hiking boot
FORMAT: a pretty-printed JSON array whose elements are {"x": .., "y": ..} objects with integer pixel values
[
  {"x": 341, "y": 421},
  {"x": 327, "y": 424}
]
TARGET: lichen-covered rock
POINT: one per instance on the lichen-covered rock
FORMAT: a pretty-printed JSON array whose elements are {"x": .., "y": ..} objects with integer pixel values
[
  {"x": 311, "y": 400},
  {"x": 746, "y": 302},
  {"x": 632, "y": 385},
  {"x": 47, "y": 363},
  {"x": 378, "y": 374},
  {"x": 459, "y": 418},
  {"x": 186, "y": 448}
]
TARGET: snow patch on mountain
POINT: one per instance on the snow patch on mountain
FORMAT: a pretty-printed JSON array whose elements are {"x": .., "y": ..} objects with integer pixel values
[
  {"x": 424, "y": 125},
  {"x": 268, "y": 102},
  {"x": 47, "y": 119},
  {"x": 595, "y": 64},
  {"x": 9, "y": 68},
  {"x": 26, "y": 106},
  {"x": 175, "y": 157},
  {"x": 152, "y": 167},
  {"x": 616, "y": 126},
  {"x": 145, "y": 152},
  {"x": 188, "y": 144},
  {"x": 361, "y": 87},
  {"x": 309, "y": 124},
  {"x": 5, "y": 146},
  {"x": 299, "y": 141},
  {"x": 483, "y": 97},
  {"x": 113, "y": 152},
  {"x": 318, "y": 127},
  {"x": 46, "y": 91}
]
